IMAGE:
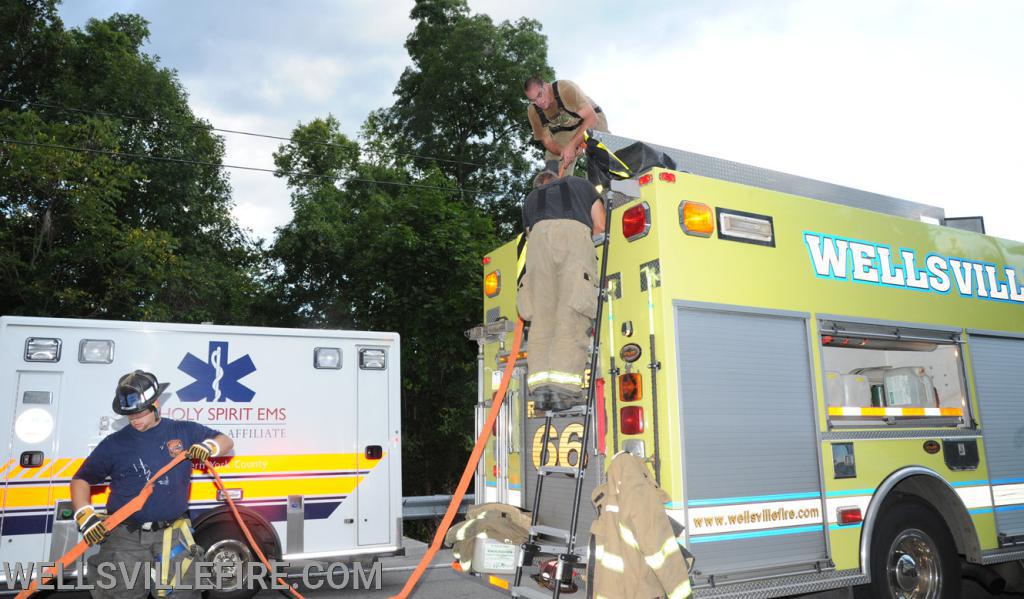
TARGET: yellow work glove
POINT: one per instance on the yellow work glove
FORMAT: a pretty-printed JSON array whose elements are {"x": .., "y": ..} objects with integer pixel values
[
  {"x": 91, "y": 525},
  {"x": 202, "y": 451}
]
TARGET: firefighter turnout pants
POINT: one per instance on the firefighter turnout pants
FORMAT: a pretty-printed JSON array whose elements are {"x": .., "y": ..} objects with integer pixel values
[
  {"x": 558, "y": 295},
  {"x": 124, "y": 566},
  {"x": 563, "y": 137}
]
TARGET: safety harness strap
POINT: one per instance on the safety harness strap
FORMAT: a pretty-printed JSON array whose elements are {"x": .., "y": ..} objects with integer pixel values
[
  {"x": 182, "y": 526},
  {"x": 544, "y": 121},
  {"x": 563, "y": 190}
]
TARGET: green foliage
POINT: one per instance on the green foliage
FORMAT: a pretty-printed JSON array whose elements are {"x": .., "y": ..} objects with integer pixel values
[
  {"x": 374, "y": 256},
  {"x": 462, "y": 100},
  {"x": 92, "y": 235}
]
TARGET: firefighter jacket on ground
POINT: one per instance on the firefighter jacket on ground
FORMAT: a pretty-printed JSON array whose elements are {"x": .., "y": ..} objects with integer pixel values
[
  {"x": 497, "y": 521},
  {"x": 558, "y": 292},
  {"x": 636, "y": 552}
]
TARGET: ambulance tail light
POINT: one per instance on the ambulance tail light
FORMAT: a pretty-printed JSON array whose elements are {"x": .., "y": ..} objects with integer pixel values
[
  {"x": 632, "y": 420},
  {"x": 696, "y": 219},
  {"x": 636, "y": 221},
  {"x": 492, "y": 283},
  {"x": 42, "y": 349},
  {"x": 849, "y": 515}
]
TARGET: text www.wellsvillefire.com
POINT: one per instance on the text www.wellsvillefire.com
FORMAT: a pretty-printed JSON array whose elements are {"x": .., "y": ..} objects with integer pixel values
[
  {"x": 763, "y": 516},
  {"x": 204, "y": 576}
]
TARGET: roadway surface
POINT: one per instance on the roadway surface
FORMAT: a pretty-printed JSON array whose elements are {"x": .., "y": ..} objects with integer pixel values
[{"x": 441, "y": 582}]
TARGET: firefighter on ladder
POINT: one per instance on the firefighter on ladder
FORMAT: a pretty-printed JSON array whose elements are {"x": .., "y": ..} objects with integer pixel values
[
  {"x": 558, "y": 292},
  {"x": 160, "y": 532},
  {"x": 636, "y": 553}
]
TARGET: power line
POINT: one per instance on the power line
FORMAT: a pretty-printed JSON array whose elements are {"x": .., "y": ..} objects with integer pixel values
[
  {"x": 235, "y": 131},
  {"x": 192, "y": 162}
]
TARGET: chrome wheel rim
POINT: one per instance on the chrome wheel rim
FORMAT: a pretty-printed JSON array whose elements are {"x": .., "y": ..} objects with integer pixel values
[
  {"x": 913, "y": 569},
  {"x": 230, "y": 557}
]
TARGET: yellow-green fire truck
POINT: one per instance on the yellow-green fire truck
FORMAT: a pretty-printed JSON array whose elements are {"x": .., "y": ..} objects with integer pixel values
[{"x": 829, "y": 384}]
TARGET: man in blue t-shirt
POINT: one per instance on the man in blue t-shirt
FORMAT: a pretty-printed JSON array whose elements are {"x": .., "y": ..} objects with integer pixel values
[{"x": 129, "y": 457}]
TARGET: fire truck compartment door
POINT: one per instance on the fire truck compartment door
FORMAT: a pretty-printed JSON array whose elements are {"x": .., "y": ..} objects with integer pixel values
[
  {"x": 373, "y": 495},
  {"x": 750, "y": 459},
  {"x": 997, "y": 373},
  {"x": 27, "y": 470}
]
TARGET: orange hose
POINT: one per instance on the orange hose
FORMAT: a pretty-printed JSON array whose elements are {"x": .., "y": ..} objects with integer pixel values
[
  {"x": 135, "y": 505},
  {"x": 467, "y": 474},
  {"x": 245, "y": 529},
  {"x": 110, "y": 522}
]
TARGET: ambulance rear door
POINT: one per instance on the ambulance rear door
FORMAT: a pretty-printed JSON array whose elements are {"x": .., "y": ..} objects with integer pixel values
[
  {"x": 378, "y": 459},
  {"x": 30, "y": 460}
]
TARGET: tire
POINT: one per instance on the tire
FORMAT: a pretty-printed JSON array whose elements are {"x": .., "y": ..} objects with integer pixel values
[
  {"x": 224, "y": 542},
  {"x": 913, "y": 555}
]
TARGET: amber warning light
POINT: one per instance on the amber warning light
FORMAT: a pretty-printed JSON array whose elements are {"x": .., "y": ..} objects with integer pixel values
[
  {"x": 492, "y": 283},
  {"x": 696, "y": 219}
]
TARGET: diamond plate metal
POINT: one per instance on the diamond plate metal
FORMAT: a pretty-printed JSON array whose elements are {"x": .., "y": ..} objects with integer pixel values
[
  {"x": 782, "y": 586},
  {"x": 899, "y": 434},
  {"x": 736, "y": 172},
  {"x": 1004, "y": 556}
]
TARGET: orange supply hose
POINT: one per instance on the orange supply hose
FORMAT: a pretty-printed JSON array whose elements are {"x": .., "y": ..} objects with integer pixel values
[
  {"x": 110, "y": 522},
  {"x": 245, "y": 529},
  {"x": 467, "y": 474}
]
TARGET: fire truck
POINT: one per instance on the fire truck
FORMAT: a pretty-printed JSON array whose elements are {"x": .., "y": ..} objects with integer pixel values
[
  {"x": 316, "y": 469},
  {"x": 826, "y": 381}
]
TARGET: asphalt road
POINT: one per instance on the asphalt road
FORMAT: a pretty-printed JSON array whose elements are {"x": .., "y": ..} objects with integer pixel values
[{"x": 441, "y": 582}]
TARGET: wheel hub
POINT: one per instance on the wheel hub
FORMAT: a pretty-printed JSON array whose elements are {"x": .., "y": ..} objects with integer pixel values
[
  {"x": 906, "y": 573},
  {"x": 230, "y": 556},
  {"x": 913, "y": 567}
]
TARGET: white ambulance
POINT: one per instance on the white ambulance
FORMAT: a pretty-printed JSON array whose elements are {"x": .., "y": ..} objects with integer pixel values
[{"x": 315, "y": 415}]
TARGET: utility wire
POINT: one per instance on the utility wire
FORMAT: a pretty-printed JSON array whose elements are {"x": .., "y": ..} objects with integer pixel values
[
  {"x": 235, "y": 131},
  {"x": 18, "y": 142}
]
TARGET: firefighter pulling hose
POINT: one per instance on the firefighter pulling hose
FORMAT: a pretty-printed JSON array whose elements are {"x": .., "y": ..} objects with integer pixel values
[{"x": 140, "y": 530}]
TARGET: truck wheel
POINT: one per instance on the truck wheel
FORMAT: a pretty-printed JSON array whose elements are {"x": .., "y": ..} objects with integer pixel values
[
  {"x": 913, "y": 555},
  {"x": 225, "y": 544}
]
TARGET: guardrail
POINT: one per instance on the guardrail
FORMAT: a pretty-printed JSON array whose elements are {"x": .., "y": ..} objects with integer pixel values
[{"x": 423, "y": 507}]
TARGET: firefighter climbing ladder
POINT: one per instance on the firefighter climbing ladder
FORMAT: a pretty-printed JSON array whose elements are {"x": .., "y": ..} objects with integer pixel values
[{"x": 540, "y": 539}]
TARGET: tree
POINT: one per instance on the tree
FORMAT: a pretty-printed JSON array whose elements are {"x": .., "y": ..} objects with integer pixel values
[
  {"x": 395, "y": 253},
  {"x": 460, "y": 106},
  {"x": 87, "y": 230}
]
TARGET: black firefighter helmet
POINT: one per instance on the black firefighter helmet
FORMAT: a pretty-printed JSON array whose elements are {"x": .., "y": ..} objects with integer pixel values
[{"x": 137, "y": 392}]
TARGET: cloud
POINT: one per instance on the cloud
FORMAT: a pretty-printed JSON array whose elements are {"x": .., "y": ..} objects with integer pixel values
[
  {"x": 914, "y": 99},
  {"x": 918, "y": 99}
]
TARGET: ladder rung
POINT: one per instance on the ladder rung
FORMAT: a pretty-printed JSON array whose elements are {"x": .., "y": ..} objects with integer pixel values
[
  {"x": 531, "y": 593},
  {"x": 553, "y": 550},
  {"x": 545, "y": 470},
  {"x": 550, "y": 531}
]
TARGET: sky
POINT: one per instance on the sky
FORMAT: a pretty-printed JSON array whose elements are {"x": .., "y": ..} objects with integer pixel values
[{"x": 918, "y": 99}]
